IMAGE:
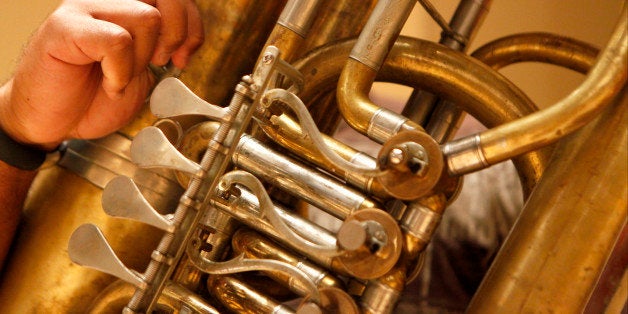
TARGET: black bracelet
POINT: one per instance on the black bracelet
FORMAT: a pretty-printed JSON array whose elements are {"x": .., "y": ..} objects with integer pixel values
[{"x": 18, "y": 155}]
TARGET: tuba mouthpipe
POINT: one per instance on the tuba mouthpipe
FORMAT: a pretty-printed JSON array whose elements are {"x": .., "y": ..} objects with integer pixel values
[{"x": 545, "y": 127}]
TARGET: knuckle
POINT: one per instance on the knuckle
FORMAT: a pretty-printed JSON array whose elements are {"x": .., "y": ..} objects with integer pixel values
[
  {"x": 120, "y": 40},
  {"x": 149, "y": 16}
]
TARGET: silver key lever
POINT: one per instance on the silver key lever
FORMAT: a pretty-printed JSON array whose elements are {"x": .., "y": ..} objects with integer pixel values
[
  {"x": 122, "y": 198},
  {"x": 88, "y": 247},
  {"x": 171, "y": 98}
]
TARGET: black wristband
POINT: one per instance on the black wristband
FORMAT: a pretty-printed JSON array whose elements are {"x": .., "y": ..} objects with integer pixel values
[{"x": 18, "y": 155}]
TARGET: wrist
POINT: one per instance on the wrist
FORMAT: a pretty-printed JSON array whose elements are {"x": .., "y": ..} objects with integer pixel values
[{"x": 14, "y": 152}]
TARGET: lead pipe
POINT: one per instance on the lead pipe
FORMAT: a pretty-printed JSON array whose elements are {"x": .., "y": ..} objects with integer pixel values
[{"x": 545, "y": 127}]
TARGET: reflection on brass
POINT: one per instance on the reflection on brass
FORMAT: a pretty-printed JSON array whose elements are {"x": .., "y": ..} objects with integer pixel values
[
  {"x": 576, "y": 218},
  {"x": 383, "y": 210}
]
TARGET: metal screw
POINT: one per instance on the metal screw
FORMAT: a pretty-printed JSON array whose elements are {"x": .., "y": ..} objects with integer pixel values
[
  {"x": 396, "y": 156},
  {"x": 268, "y": 58}
]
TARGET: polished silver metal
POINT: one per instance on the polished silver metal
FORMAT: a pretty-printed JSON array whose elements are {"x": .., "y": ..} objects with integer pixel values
[
  {"x": 101, "y": 160},
  {"x": 151, "y": 148},
  {"x": 245, "y": 208},
  {"x": 240, "y": 264},
  {"x": 283, "y": 97},
  {"x": 268, "y": 211},
  {"x": 122, "y": 198},
  {"x": 298, "y": 15},
  {"x": 384, "y": 124},
  {"x": 464, "y": 155},
  {"x": 171, "y": 98},
  {"x": 296, "y": 178},
  {"x": 88, "y": 247}
]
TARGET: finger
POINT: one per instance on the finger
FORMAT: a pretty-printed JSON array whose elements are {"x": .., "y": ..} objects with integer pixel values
[
  {"x": 102, "y": 118},
  {"x": 173, "y": 30},
  {"x": 109, "y": 44},
  {"x": 141, "y": 20},
  {"x": 195, "y": 37}
]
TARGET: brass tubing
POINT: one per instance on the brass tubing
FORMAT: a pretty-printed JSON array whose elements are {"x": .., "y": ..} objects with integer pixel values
[
  {"x": 256, "y": 246},
  {"x": 446, "y": 117},
  {"x": 482, "y": 92},
  {"x": 287, "y": 132},
  {"x": 366, "y": 58},
  {"x": 292, "y": 27},
  {"x": 239, "y": 297},
  {"x": 380, "y": 32},
  {"x": 174, "y": 297},
  {"x": 557, "y": 249},
  {"x": 340, "y": 19},
  {"x": 545, "y": 127},
  {"x": 382, "y": 294},
  {"x": 540, "y": 47},
  {"x": 246, "y": 209}
]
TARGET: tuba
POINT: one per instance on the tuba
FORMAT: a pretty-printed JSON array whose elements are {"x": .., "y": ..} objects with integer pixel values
[{"x": 230, "y": 193}]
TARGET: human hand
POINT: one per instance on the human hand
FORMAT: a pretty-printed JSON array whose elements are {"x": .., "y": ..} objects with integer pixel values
[{"x": 84, "y": 72}]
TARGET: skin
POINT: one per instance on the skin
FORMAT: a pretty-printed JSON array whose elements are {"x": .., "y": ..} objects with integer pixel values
[{"x": 84, "y": 75}]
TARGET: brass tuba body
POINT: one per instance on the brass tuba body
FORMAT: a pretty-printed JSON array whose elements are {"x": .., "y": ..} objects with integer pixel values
[{"x": 230, "y": 192}]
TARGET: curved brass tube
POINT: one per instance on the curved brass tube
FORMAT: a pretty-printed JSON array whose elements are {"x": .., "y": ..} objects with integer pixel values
[
  {"x": 482, "y": 97},
  {"x": 603, "y": 82},
  {"x": 541, "y": 47},
  {"x": 239, "y": 297},
  {"x": 423, "y": 65},
  {"x": 254, "y": 245}
]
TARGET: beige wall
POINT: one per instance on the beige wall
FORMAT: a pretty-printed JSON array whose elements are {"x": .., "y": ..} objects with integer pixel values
[
  {"x": 18, "y": 19},
  {"x": 588, "y": 20}
]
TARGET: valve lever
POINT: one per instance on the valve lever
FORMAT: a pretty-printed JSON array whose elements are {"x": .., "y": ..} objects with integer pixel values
[
  {"x": 88, "y": 247},
  {"x": 150, "y": 148},
  {"x": 122, "y": 198},
  {"x": 171, "y": 98}
]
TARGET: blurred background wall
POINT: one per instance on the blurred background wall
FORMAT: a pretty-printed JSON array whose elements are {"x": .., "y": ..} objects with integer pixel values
[{"x": 587, "y": 20}]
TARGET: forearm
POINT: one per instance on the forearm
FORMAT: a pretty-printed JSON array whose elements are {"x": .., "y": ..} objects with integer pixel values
[{"x": 14, "y": 185}]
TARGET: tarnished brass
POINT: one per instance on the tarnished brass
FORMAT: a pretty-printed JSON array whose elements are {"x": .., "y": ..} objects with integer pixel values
[
  {"x": 256, "y": 246},
  {"x": 576, "y": 220},
  {"x": 365, "y": 263},
  {"x": 383, "y": 212}
]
